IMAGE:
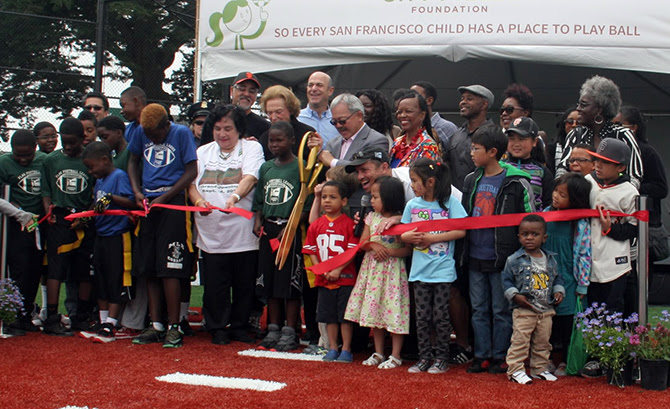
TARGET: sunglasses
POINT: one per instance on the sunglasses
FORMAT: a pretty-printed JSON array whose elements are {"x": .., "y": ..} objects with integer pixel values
[
  {"x": 93, "y": 107},
  {"x": 341, "y": 122},
  {"x": 199, "y": 122},
  {"x": 509, "y": 109}
]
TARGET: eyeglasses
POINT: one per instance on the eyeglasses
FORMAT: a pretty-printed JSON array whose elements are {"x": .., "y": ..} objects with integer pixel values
[
  {"x": 475, "y": 148},
  {"x": 244, "y": 88},
  {"x": 583, "y": 105},
  {"x": 44, "y": 137},
  {"x": 509, "y": 109},
  {"x": 570, "y": 121},
  {"x": 93, "y": 108},
  {"x": 579, "y": 160},
  {"x": 341, "y": 122},
  {"x": 199, "y": 122}
]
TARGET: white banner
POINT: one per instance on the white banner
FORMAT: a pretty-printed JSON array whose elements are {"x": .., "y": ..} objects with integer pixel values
[{"x": 271, "y": 35}]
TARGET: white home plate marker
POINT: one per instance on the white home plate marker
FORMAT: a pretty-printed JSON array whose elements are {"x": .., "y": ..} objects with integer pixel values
[
  {"x": 257, "y": 353},
  {"x": 222, "y": 382}
]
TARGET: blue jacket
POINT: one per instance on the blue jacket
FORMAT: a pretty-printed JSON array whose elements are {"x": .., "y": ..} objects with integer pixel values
[{"x": 517, "y": 278}]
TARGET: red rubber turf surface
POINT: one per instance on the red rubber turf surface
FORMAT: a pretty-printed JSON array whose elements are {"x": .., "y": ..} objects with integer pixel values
[{"x": 41, "y": 371}]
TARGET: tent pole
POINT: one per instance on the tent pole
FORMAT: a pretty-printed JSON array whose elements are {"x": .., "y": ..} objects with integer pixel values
[
  {"x": 197, "y": 85},
  {"x": 643, "y": 262}
]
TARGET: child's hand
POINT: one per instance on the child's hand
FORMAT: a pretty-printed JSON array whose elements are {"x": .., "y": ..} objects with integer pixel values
[
  {"x": 605, "y": 219},
  {"x": 281, "y": 234},
  {"x": 522, "y": 301},
  {"x": 558, "y": 298},
  {"x": 333, "y": 275},
  {"x": 388, "y": 223},
  {"x": 425, "y": 240},
  {"x": 412, "y": 237},
  {"x": 317, "y": 189},
  {"x": 381, "y": 253},
  {"x": 258, "y": 230},
  {"x": 103, "y": 203}
]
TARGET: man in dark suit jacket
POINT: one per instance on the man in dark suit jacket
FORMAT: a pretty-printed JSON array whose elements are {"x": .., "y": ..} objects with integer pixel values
[{"x": 355, "y": 135}]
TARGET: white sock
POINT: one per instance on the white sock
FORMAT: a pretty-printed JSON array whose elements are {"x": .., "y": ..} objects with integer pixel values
[
  {"x": 112, "y": 321},
  {"x": 183, "y": 311},
  {"x": 44, "y": 295},
  {"x": 103, "y": 315},
  {"x": 158, "y": 326}
]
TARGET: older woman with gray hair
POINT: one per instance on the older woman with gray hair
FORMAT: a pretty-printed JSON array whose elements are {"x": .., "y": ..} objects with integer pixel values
[{"x": 599, "y": 102}]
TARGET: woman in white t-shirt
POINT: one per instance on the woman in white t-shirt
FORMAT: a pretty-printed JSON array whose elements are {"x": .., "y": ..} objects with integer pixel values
[{"x": 227, "y": 176}]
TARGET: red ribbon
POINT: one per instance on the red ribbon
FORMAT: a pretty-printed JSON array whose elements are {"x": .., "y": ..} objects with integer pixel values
[
  {"x": 471, "y": 223},
  {"x": 117, "y": 212}
]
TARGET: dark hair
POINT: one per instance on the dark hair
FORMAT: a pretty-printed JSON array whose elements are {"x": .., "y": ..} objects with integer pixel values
[
  {"x": 427, "y": 168},
  {"x": 491, "y": 136},
  {"x": 392, "y": 194},
  {"x": 42, "y": 125},
  {"x": 522, "y": 94},
  {"x": 579, "y": 189},
  {"x": 72, "y": 126},
  {"x": 381, "y": 119},
  {"x": 235, "y": 113},
  {"x": 113, "y": 123},
  {"x": 341, "y": 187},
  {"x": 97, "y": 150},
  {"x": 560, "y": 125},
  {"x": 424, "y": 107},
  {"x": 635, "y": 117},
  {"x": 535, "y": 218},
  {"x": 88, "y": 116},
  {"x": 94, "y": 94},
  {"x": 430, "y": 89},
  {"x": 399, "y": 93},
  {"x": 23, "y": 137},
  {"x": 136, "y": 92},
  {"x": 283, "y": 126},
  {"x": 584, "y": 146}
]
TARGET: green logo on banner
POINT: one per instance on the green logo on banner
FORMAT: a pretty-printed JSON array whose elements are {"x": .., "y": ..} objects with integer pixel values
[{"x": 237, "y": 16}]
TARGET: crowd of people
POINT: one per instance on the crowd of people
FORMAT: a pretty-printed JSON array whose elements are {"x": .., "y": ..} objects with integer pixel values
[{"x": 444, "y": 296}]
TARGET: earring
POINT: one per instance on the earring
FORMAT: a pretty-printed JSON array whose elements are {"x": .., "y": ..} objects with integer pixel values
[{"x": 599, "y": 121}]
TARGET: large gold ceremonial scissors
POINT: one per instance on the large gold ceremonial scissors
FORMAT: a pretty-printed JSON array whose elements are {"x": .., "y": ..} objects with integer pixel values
[{"x": 309, "y": 174}]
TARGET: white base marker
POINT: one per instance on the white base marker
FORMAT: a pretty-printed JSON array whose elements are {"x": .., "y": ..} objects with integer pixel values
[
  {"x": 222, "y": 382},
  {"x": 295, "y": 356}
]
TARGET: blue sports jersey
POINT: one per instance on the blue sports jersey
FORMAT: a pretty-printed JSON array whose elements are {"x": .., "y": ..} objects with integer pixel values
[
  {"x": 164, "y": 163},
  {"x": 117, "y": 183}
]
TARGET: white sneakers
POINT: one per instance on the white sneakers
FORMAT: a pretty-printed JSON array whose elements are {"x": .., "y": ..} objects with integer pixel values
[{"x": 522, "y": 378}]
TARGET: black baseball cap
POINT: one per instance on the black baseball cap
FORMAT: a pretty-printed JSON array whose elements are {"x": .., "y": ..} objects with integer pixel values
[
  {"x": 246, "y": 76},
  {"x": 524, "y": 126},
  {"x": 613, "y": 150},
  {"x": 360, "y": 158},
  {"x": 202, "y": 108}
]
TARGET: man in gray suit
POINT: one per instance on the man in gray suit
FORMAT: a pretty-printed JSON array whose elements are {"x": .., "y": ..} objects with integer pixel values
[{"x": 355, "y": 135}]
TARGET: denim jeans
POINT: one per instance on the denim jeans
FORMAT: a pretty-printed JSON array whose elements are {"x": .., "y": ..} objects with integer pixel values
[{"x": 491, "y": 315}]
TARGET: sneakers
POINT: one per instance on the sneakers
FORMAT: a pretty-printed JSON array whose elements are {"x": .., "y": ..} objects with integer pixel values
[
  {"x": 315, "y": 350},
  {"x": 53, "y": 326},
  {"x": 185, "y": 328},
  {"x": 174, "y": 338},
  {"x": 288, "y": 340},
  {"x": 345, "y": 357},
  {"x": 479, "y": 365},
  {"x": 24, "y": 324},
  {"x": 220, "y": 337},
  {"x": 546, "y": 376},
  {"x": 126, "y": 333},
  {"x": 421, "y": 365},
  {"x": 81, "y": 322},
  {"x": 592, "y": 369},
  {"x": 498, "y": 366},
  {"x": 459, "y": 355},
  {"x": 271, "y": 339},
  {"x": 150, "y": 335},
  {"x": 331, "y": 355},
  {"x": 521, "y": 377},
  {"x": 105, "y": 334},
  {"x": 439, "y": 366},
  {"x": 241, "y": 335},
  {"x": 561, "y": 370}
]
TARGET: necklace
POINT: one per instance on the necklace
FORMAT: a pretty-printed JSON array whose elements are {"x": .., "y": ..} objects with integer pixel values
[{"x": 225, "y": 155}]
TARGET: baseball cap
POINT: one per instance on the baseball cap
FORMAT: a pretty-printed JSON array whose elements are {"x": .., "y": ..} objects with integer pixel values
[
  {"x": 202, "y": 108},
  {"x": 524, "y": 126},
  {"x": 480, "y": 90},
  {"x": 613, "y": 150},
  {"x": 360, "y": 158},
  {"x": 246, "y": 76}
]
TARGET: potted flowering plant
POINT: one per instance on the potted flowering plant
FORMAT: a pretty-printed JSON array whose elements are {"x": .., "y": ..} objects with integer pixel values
[
  {"x": 651, "y": 344},
  {"x": 607, "y": 338},
  {"x": 11, "y": 302}
]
